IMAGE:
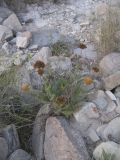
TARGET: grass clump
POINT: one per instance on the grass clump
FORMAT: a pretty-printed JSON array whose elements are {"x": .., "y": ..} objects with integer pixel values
[
  {"x": 13, "y": 109},
  {"x": 109, "y": 40},
  {"x": 60, "y": 48},
  {"x": 65, "y": 93},
  {"x": 106, "y": 156}
]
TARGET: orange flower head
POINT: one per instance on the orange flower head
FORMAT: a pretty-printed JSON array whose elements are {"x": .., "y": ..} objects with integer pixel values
[
  {"x": 39, "y": 64},
  {"x": 87, "y": 80},
  {"x": 25, "y": 87}
]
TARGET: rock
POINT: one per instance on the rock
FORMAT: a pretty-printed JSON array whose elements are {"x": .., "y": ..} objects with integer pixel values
[
  {"x": 93, "y": 135},
  {"x": 112, "y": 81},
  {"x": 101, "y": 100},
  {"x": 63, "y": 142},
  {"x": 3, "y": 149},
  {"x": 88, "y": 52},
  {"x": 111, "y": 95},
  {"x": 33, "y": 47},
  {"x": 43, "y": 55},
  {"x": 60, "y": 64},
  {"x": 101, "y": 9},
  {"x": 5, "y": 33},
  {"x": 11, "y": 137},
  {"x": 110, "y": 148},
  {"x": 8, "y": 48},
  {"x": 19, "y": 155},
  {"x": 112, "y": 131},
  {"x": 4, "y": 12},
  {"x": 23, "y": 39},
  {"x": 13, "y": 23},
  {"x": 110, "y": 64},
  {"x": 19, "y": 59},
  {"x": 87, "y": 117},
  {"x": 38, "y": 135},
  {"x": 36, "y": 80}
]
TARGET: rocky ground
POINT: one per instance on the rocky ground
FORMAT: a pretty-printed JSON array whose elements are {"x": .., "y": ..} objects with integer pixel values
[{"x": 26, "y": 37}]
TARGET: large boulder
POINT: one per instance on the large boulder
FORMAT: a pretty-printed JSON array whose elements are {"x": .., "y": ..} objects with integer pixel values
[{"x": 62, "y": 141}]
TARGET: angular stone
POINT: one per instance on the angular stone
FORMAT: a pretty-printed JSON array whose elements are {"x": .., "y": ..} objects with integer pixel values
[
  {"x": 38, "y": 135},
  {"x": 23, "y": 39},
  {"x": 112, "y": 81},
  {"x": 3, "y": 149},
  {"x": 5, "y": 33},
  {"x": 20, "y": 155},
  {"x": 13, "y": 23},
  {"x": 63, "y": 142},
  {"x": 11, "y": 137}
]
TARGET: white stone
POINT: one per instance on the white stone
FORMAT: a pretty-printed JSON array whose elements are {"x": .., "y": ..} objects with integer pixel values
[
  {"x": 93, "y": 135},
  {"x": 111, "y": 95}
]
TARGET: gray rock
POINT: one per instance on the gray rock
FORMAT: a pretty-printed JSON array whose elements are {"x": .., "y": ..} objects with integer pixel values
[
  {"x": 33, "y": 47},
  {"x": 110, "y": 148},
  {"x": 4, "y": 12},
  {"x": 101, "y": 100},
  {"x": 60, "y": 64},
  {"x": 11, "y": 137},
  {"x": 3, "y": 149},
  {"x": 38, "y": 135},
  {"x": 8, "y": 48},
  {"x": 23, "y": 39},
  {"x": 92, "y": 134},
  {"x": 62, "y": 141},
  {"x": 5, "y": 33},
  {"x": 88, "y": 52},
  {"x": 19, "y": 155},
  {"x": 19, "y": 59},
  {"x": 87, "y": 117},
  {"x": 112, "y": 131},
  {"x": 112, "y": 81},
  {"x": 13, "y": 23},
  {"x": 111, "y": 95},
  {"x": 110, "y": 64},
  {"x": 43, "y": 55}
]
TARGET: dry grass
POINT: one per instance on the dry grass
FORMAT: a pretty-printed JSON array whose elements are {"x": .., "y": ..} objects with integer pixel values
[{"x": 109, "y": 32}]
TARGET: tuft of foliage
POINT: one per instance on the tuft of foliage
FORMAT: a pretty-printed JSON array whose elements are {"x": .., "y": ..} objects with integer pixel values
[
  {"x": 60, "y": 48},
  {"x": 13, "y": 110},
  {"x": 64, "y": 92}
]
